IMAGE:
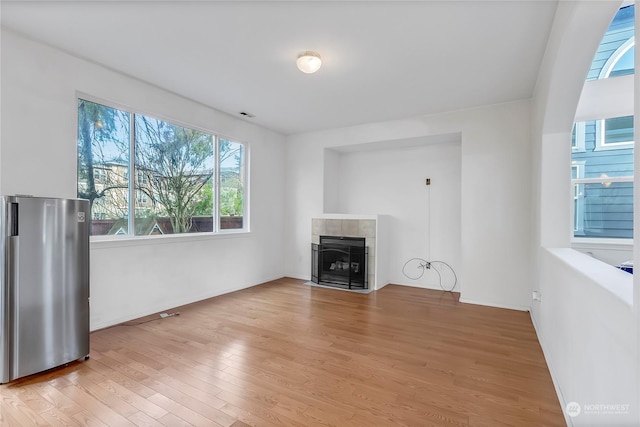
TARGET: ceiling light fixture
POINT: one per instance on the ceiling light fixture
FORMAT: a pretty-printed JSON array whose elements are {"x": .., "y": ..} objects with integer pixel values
[{"x": 309, "y": 62}]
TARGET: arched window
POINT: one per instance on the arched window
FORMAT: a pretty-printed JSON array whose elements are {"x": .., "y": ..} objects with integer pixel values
[
  {"x": 615, "y": 54},
  {"x": 621, "y": 62},
  {"x": 602, "y": 159}
]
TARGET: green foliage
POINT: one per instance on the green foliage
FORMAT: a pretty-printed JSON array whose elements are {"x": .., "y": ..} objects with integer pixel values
[
  {"x": 174, "y": 167},
  {"x": 176, "y": 163},
  {"x": 204, "y": 207}
]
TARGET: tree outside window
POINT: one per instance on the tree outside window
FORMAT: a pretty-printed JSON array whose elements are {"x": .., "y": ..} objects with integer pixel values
[{"x": 178, "y": 173}]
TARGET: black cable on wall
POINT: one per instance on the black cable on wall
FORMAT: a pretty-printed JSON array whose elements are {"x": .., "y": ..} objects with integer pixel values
[{"x": 415, "y": 268}]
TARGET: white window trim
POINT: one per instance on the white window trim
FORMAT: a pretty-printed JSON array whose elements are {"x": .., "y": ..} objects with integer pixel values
[
  {"x": 156, "y": 227},
  {"x": 580, "y": 129},
  {"x": 127, "y": 240},
  {"x": 601, "y": 243},
  {"x": 141, "y": 197},
  {"x": 246, "y": 228},
  {"x": 604, "y": 179},
  {"x": 577, "y": 197},
  {"x": 615, "y": 57},
  {"x": 579, "y": 165},
  {"x": 601, "y": 145}
]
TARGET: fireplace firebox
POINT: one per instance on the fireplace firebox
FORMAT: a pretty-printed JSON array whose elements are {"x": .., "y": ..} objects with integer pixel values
[{"x": 340, "y": 261}]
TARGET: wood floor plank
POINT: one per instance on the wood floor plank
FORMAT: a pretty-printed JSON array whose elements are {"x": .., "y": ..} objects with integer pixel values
[
  {"x": 287, "y": 354},
  {"x": 57, "y": 418},
  {"x": 182, "y": 411},
  {"x": 135, "y": 400},
  {"x": 58, "y": 399},
  {"x": 141, "y": 419},
  {"x": 246, "y": 416},
  {"x": 87, "y": 418},
  {"x": 94, "y": 406},
  {"x": 19, "y": 413},
  {"x": 171, "y": 420}
]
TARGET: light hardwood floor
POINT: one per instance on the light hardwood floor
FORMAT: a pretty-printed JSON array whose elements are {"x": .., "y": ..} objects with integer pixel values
[{"x": 287, "y": 354}]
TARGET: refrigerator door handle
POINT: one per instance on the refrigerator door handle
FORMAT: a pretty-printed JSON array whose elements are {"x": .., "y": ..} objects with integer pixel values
[
  {"x": 9, "y": 326},
  {"x": 12, "y": 226},
  {"x": 13, "y": 290}
]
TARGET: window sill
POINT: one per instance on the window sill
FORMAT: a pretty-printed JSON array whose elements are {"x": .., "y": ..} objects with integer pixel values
[
  {"x": 590, "y": 242},
  {"x": 612, "y": 279},
  {"x": 614, "y": 146},
  {"x": 103, "y": 242}
]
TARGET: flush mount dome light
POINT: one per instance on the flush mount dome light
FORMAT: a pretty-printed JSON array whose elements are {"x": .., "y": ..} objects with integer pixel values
[{"x": 309, "y": 62}]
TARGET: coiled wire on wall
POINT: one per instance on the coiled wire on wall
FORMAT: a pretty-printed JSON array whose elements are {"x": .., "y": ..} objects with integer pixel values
[{"x": 415, "y": 268}]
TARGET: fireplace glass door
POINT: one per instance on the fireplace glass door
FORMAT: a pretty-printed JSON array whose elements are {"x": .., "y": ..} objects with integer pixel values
[{"x": 340, "y": 261}]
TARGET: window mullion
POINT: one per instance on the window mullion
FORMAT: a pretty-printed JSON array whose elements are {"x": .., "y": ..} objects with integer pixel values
[
  {"x": 216, "y": 184},
  {"x": 132, "y": 174}
]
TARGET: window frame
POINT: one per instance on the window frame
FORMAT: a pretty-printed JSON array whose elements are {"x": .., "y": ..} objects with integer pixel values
[
  {"x": 604, "y": 179},
  {"x": 578, "y": 197},
  {"x": 132, "y": 171},
  {"x": 579, "y": 130},
  {"x": 601, "y": 140},
  {"x": 608, "y": 66}
]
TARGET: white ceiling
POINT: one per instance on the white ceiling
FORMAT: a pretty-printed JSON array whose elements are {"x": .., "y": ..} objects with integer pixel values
[{"x": 382, "y": 60}]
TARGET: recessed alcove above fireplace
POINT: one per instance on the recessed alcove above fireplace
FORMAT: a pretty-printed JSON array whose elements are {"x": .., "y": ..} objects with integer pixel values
[{"x": 371, "y": 233}]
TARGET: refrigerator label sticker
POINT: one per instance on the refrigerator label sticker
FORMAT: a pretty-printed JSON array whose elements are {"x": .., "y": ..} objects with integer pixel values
[{"x": 80, "y": 216}]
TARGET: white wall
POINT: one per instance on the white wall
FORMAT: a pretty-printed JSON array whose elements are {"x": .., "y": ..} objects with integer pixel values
[
  {"x": 392, "y": 182},
  {"x": 585, "y": 321},
  {"x": 495, "y": 203},
  {"x": 134, "y": 278},
  {"x": 592, "y": 350}
]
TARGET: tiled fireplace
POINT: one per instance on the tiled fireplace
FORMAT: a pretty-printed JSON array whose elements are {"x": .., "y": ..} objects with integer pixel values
[
  {"x": 371, "y": 229},
  {"x": 340, "y": 261}
]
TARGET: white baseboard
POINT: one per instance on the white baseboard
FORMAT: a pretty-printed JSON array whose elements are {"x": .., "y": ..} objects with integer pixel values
[
  {"x": 306, "y": 277},
  {"x": 554, "y": 378},
  {"x": 176, "y": 303},
  {"x": 493, "y": 304},
  {"x": 432, "y": 286},
  {"x": 382, "y": 286}
]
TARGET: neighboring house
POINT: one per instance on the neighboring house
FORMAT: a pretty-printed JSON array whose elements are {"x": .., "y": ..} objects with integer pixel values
[
  {"x": 112, "y": 177},
  {"x": 603, "y": 149},
  {"x": 109, "y": 213}
]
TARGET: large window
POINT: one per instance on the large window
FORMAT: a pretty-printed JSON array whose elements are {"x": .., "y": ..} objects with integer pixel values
[
  {"x": 616, "y": 132},
  {"x": 602, "y": 166},
  {"x": 186, "y": 180},
  {"x": 602, "y": 179}
]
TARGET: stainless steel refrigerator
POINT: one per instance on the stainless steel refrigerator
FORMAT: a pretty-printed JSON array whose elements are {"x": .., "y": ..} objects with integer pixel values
[{"x": 44, "y": 290}]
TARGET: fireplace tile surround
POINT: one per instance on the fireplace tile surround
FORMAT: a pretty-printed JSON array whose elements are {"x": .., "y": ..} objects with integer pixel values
[{"x": 371, "y": 227}]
